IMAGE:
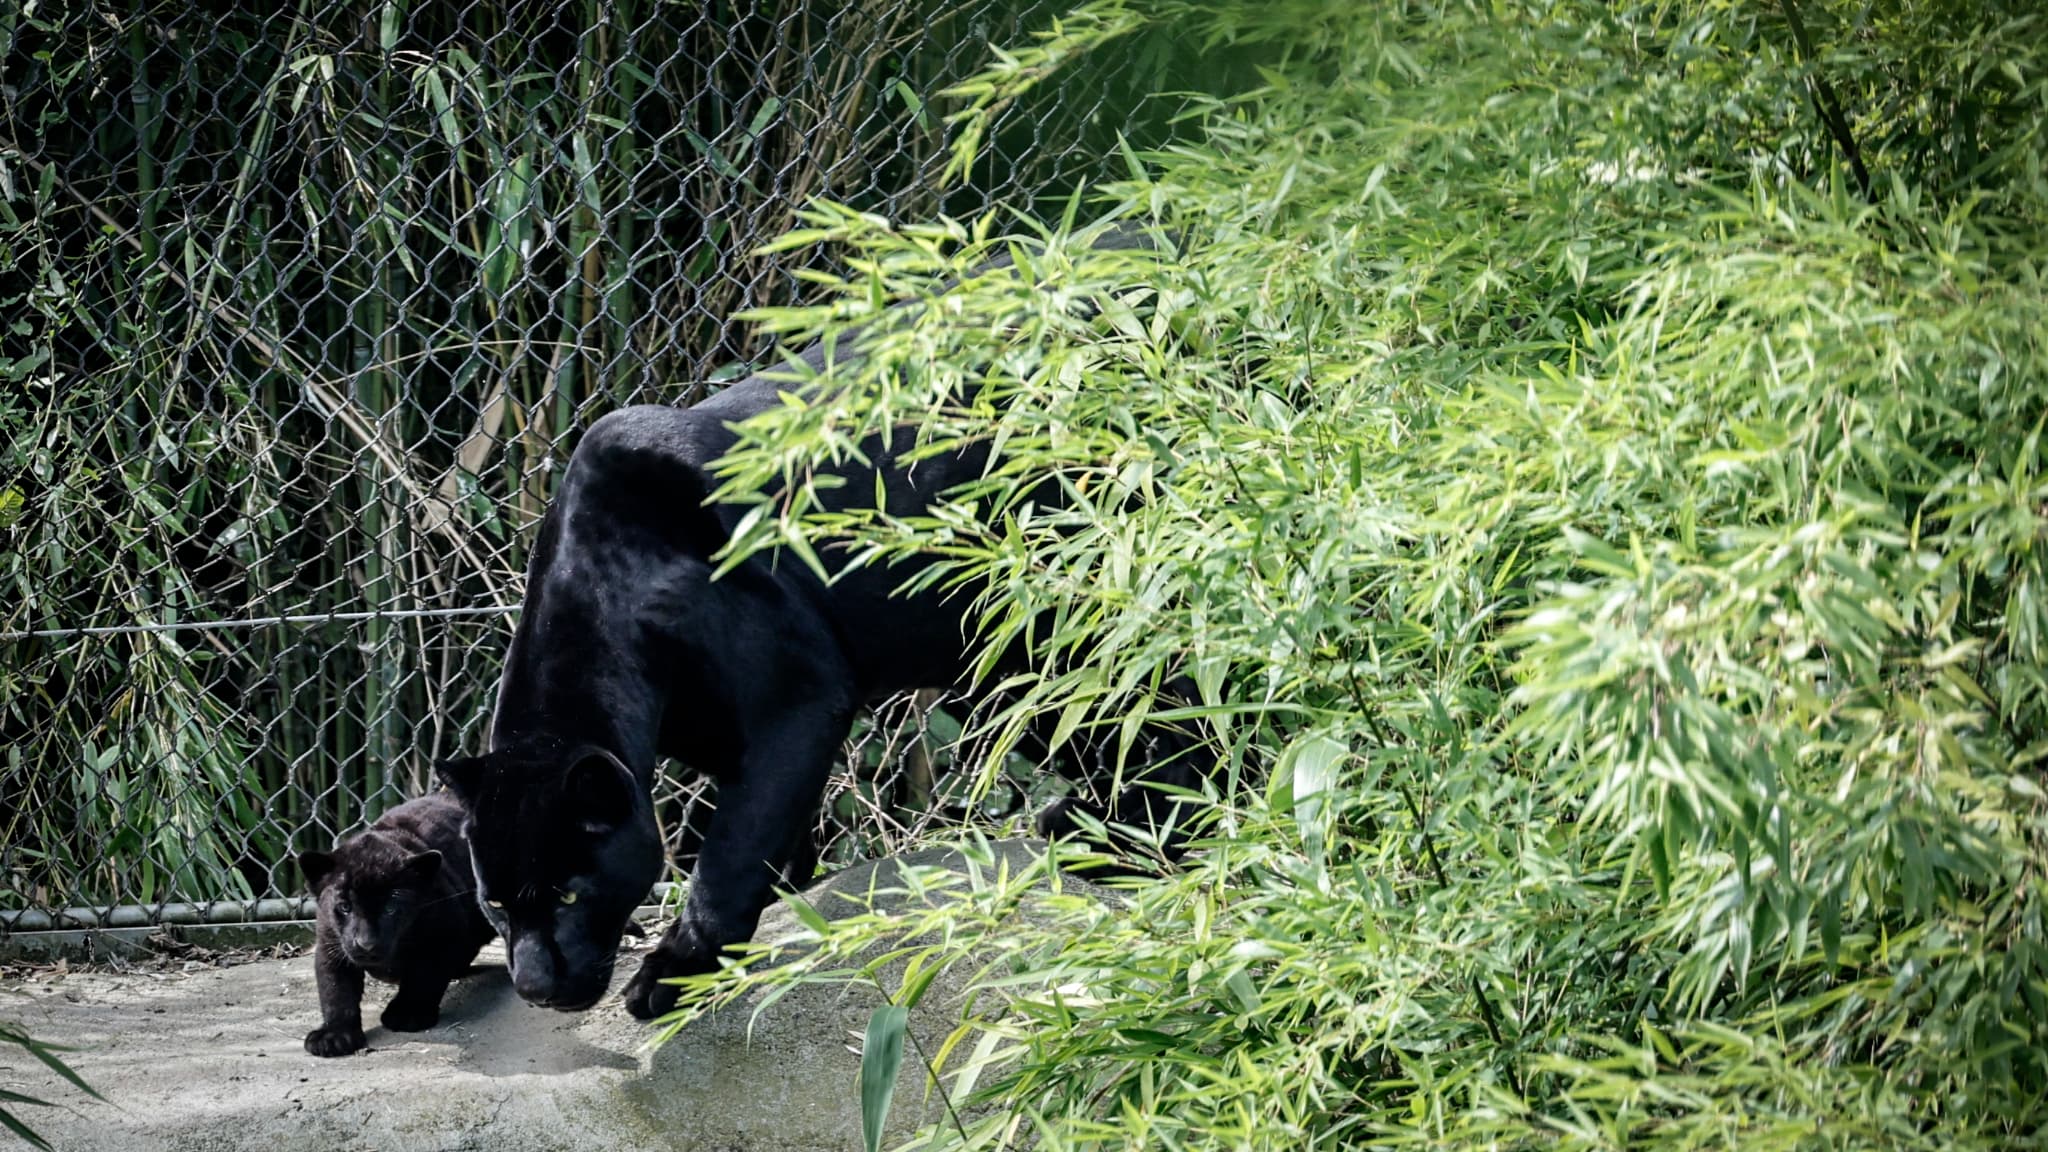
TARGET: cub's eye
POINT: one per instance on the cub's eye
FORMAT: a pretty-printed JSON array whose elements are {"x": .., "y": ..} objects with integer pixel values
[
  {"x": 494, "y": 904},
  {"x": 567, "y": 896}
]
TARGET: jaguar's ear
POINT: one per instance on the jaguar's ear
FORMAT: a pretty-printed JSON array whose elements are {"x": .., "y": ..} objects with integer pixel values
[
  {"x": 600, "y": 789},
  {"x": 461, "y": 775},
  {"x": 419, "y": 869},
  {"x": 315, "y": 865}
]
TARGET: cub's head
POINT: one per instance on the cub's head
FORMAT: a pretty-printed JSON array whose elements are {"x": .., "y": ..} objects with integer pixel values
[
  {"x": 370, "y": 890},
  {"x": 564, "y": 848}
]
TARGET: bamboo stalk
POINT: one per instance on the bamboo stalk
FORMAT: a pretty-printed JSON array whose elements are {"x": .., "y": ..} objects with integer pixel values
[{"x": 145, "y": 130}]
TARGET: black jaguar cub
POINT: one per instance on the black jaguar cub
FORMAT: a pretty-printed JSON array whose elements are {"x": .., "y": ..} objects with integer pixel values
[{"x": 397, "y": 901}]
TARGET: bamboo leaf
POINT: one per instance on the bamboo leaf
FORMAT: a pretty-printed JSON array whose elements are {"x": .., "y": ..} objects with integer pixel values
[{"x": 881, "y": 1057}]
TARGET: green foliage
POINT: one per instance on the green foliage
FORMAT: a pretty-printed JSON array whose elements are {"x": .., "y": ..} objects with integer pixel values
[
  {"x": 881, "y": 1056},
  {"x": 1610, "y": 549},
  {"x": 45, "y": 1054}
]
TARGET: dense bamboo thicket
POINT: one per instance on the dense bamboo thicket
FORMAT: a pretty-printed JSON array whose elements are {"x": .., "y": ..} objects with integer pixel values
[{"x": 1589, "y": 456}]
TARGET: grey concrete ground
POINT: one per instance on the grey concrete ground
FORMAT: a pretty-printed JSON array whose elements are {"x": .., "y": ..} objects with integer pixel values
[{"x": 210, "y": 1061}]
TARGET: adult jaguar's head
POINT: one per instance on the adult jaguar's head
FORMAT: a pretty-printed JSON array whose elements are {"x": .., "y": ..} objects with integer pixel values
[{"x": 564, "y": 846}]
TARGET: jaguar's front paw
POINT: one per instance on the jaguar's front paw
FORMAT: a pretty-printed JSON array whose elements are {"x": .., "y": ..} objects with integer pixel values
[
  {"x": 335, "y": 1040},
  {"x": 411, "y": 1017},
  {"x": 1063, "y": 818},
  {"x": 1103, "y": 853},
  {"x": 646, "y": 996},
  {"x": 681, "y": 953}
]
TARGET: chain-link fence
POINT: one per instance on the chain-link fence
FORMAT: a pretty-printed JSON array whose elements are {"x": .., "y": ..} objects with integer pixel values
[{"x": 304, "y": 309}]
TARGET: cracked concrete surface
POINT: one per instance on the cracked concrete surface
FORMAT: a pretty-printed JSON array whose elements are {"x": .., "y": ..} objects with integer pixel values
[{"x": 211, "y": 1061}]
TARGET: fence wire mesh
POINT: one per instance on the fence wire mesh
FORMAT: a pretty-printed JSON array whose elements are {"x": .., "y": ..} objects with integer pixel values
[{"x": 306, "y": 307}]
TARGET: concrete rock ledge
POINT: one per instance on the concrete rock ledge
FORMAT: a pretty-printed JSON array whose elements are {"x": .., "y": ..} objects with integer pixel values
[{"x": 210, "y": 1061}]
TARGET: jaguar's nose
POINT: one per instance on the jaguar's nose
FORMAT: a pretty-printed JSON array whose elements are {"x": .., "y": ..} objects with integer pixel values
[{"x": 533, "y": 969}]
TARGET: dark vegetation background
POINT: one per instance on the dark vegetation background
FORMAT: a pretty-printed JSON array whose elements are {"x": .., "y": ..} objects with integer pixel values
[{"x": 306, "y": 304}]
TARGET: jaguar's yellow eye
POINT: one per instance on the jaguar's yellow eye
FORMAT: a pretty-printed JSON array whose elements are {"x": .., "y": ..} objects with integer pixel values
[
  {"x": 494, "y": 903},
  {"x": 568, "y": 897}
]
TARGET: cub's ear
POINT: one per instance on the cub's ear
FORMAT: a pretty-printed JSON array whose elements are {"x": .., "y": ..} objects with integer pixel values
[
  {"x": 419, "y": 869},
  {"x": 315, "y": 865},
  {"x": 461, "y": 775},
  {"x": 600, "y": 790}
]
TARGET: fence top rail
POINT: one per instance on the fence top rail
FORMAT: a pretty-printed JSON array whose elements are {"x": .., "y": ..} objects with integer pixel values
[{"x": 253, "y": 622}]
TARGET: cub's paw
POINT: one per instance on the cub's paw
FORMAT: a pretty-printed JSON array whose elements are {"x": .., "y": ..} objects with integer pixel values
[
  {"x": 336, "y": 1041},
  {"x": 411, "y": 1017}
]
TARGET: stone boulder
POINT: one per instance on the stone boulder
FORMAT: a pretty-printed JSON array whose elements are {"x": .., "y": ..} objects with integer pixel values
[{"x": 786, "y": 1080}]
